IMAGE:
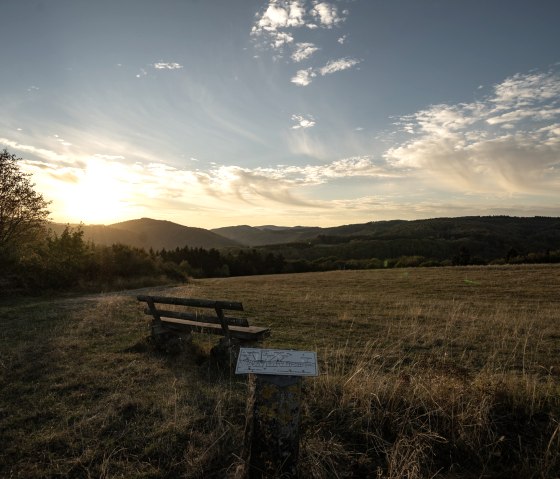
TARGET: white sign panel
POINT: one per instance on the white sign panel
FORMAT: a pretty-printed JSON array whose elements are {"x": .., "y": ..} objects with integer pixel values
[{"x": 283, "y": 362}]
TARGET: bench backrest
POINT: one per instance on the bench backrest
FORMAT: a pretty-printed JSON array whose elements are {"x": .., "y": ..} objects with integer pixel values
[{"x": 217, "y": 306}]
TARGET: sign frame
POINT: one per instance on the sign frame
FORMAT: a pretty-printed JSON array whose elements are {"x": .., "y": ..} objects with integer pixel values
[{"x": 277, "y": 362}]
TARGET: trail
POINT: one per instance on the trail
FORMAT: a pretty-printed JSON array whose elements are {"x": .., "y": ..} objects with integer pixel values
[{"x": 75, "y": 299}]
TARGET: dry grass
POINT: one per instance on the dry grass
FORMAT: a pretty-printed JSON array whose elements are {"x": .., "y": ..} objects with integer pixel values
[{"x": 447, "y": 372}]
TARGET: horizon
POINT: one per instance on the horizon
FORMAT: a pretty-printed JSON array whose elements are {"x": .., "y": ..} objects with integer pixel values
[
  {"x": 263, "y": 226},
  {"x": 290, "y": 112}
]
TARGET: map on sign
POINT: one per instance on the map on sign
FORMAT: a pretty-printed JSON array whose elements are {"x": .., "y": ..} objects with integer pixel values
[{"x": 283, "y": 362}]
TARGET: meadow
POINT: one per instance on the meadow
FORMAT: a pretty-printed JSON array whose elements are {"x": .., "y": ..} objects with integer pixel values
[{"x": 449, "y": 372}]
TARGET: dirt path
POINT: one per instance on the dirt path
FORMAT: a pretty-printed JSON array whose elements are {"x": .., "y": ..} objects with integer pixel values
[{"x": 75, "y": 299}]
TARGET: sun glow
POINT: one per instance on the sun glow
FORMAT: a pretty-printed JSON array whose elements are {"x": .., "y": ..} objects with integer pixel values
[{"x": 100, "y": 194}]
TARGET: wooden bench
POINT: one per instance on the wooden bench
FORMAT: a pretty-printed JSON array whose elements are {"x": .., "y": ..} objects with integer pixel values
[{"x": 167, "y": 321}]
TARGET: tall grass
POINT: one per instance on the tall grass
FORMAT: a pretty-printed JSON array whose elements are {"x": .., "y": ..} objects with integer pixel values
[{"x": 448, "y": 372}]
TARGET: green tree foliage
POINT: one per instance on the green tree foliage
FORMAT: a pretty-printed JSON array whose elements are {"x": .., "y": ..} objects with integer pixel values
[
  {"x": 23, "y": 211},
  {"x": 66, "y": 258}
]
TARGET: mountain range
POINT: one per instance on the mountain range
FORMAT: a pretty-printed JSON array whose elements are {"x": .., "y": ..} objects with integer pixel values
[{"x": 530, "y": 233}]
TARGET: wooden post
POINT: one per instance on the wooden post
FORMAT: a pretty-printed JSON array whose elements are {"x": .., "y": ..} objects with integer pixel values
[
  {"x": 273, "y": 409},
  {"x": 274, "y": 442},
  {"x": 223, "y": 322},
  {"x": 157, "y": 329}
]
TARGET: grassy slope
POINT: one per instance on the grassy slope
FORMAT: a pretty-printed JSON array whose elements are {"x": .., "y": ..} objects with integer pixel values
[{"x": 455, "y": 370}]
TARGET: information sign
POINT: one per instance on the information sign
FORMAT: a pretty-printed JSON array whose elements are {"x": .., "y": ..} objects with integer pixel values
[{"x": 283, "y": 362}]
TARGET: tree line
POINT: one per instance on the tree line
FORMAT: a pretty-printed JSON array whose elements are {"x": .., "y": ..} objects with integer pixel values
[{"x": 34, "y": 259}]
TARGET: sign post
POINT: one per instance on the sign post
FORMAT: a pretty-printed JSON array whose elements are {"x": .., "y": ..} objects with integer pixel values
[{"x": 272, "y": 432}]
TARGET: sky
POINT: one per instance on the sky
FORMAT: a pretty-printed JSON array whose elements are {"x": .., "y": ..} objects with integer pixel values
[{"x": 214, "y": 113}]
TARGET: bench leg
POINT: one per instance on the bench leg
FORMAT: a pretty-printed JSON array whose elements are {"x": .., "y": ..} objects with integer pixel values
[
  {"x": 169, "y": 341},
  {"x": 226, "y": 351}
]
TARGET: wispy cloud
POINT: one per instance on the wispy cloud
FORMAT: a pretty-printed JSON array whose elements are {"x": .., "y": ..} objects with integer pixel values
[
  {"x": 303, "y": 51},
  {"x": 167, "y": 66},
  {"x": 282, "y": 183},
  {"x": 305, "y": 77},
  {"x": 302, "y": 121},
  {"x": 338, "y": 65},
  {"x": 43, "y": 153},
  {"x": 108, "y": 157},
  {"x": 522, "y": 90},
  {"x": 508, "y": 142},
  {"x": 249, "y": 186},
  {"x": 358, "y": 166},
  {"x": 75, "y": 181}
]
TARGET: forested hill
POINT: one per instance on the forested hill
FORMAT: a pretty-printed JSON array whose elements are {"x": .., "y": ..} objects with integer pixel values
[
  {"x": 464, "y": 240},
  {"x": 267, "y": 235},
  {"x": 539, "y": 231},
  {"x": 481, "y": 238},
  {"x": 495, "y": 231},
  {"x": 149, "y": 233}
]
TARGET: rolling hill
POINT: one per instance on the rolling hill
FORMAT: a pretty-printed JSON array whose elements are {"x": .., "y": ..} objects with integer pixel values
[
  {"x": 149, "y": 233},
  {"x": 486, "y": 237},
  {"x": 267, "y": 235}
]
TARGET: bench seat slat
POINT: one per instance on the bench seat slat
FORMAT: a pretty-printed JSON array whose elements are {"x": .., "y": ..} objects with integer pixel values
[
  {"x": 200, "y": 303},
  {"x": 239, "y": 332},
  {"x": 198, "y": 317}
]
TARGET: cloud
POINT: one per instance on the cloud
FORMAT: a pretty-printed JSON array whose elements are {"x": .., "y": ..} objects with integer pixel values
[
  {"x": 65, "y": 176},
  {"x": 108, "y": 157},
  {"x": 43, "y": 153},
  {"x": 275, "y": 27},
  {"x": 134, "y": 185},
  {"x": 522, "y": 90},
  {"x": 280, "y": 39},
  {"x": 250, "y": 186},
  {"x": 338, "y": 65},
  {"x": 280, "y": 184},
  {"x": 508, "y": 142},
  {"x": 278, "y": 23},
  {"x": 303, "y": 77},
  {"x": 302, "y": 121},
  {"x": 326, "y": 14},
  {"x": 278, "y": 16},
  {"x": 167, "y": 66},
  {"x": 353, "y": 167},
  {"x": 281, "y": 14},
  {"x": 303, "y": 51},
  {"x": 159, "y": 66}
]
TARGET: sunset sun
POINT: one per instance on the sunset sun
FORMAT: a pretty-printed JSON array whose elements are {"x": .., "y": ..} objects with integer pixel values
[{"x": 99, "y": 195}]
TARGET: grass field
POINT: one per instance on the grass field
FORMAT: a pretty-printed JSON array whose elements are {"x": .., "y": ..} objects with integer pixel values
[{"x": 425, "y": 372}]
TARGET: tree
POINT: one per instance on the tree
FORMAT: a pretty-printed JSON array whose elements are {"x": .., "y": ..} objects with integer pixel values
[{"x": 23, "y": 211}]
